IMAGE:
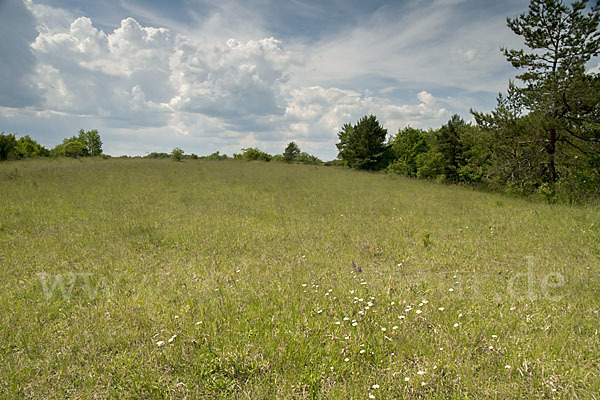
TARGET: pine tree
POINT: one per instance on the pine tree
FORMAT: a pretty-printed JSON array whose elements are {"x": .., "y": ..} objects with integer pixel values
[
  {"x": 291, "y": 152},
  {"x": 362, "y": 146},
  {"x": 561, "y": 40}
]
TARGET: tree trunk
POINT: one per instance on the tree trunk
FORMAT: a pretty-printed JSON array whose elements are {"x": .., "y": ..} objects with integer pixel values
[{"x": 551, "y": 150}]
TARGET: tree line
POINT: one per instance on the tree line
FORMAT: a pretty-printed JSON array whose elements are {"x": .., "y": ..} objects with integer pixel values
[
  {"x": 543, "y": 136},
  {"x": 291, "y": 154},
  {"x": 84, "y": 144}
]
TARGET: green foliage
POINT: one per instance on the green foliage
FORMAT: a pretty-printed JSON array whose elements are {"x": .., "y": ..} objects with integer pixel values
[
  {"x": 215, "y": 156},
  {"x": 449, "y": 145},
  {"x": 305, "y": 158},
  {"x": 278, "y": 158},
  {"x": 8, "y": 145},
  {"x": 335, "y": 163},
  {"x": 156, "y": 155},
  {"x": 516, "y": 143},
  {"x": 430, "y": 164},
  {"x": 71, "y": 147},
  {"x": 254, "y": 154},
  {"x": 91, "y": 141},
  {"x": 362, "y": 146},
  {"x": 291, "y": 152},
  {"x": 27, "y": 147},
  {"x": 406, "y": 147},
  {"x": 177, "y": 154}
]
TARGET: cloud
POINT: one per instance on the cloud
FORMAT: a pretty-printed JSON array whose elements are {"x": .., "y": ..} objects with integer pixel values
[
  {"x": 232, "y": 81},
  {"x": 17, "y": 63},
  {"x": 317, "y": 113},
  {"x": 150, "y": 75},
  {"x": 229, "y": 75},
  {"x": 434, "y": 44}
]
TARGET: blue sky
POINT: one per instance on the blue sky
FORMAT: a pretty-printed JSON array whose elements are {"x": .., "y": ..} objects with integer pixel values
[{"x": 206, "y": 76}]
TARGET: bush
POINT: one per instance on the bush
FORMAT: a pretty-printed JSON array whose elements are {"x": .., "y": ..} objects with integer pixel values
[
  {"x": 177, "y": 154},
  {"x": 8, "y": 144},
  {"x": 430, "y": 164},
  {"x": 254, "y": 154},
  {"x": 305, "y": 158},
  {"x": 215, "y": 156},
  {"x": 406, "y": 146}
]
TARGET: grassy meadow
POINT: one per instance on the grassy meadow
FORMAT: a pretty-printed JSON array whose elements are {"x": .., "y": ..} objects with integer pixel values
[{"x": 230, "y": 279}]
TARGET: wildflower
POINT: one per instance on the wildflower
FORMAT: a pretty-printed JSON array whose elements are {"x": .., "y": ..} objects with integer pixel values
[
  {"x": 160, "y": 343},
  {"x": 354, "y": 323},
  {"x": 304, "y": 285},
  {"x": 370, "y": 304},
  {"x": 423, "y": 384},
  {"x": 363, "y": 283},
  {"x": 513, "y": 308},
  {"x": 421, "y": 373},
  {"x": 198, "y": 323},
  {"x": 361, "y": 300},
  {"x": 402, "y": 317},
  {"x": 451, "y": 290},
  {"x": 371, "y": 396},
  {"x": 172, "y": 338},
  {"x": 319, "y": 312},
  {"x": 507, "y": 366},
  {"x": 375, "y": 386},
  {"x": 494, "y": 336},
  {"x": 491, "y": 347},
  {"x": 352, "y": 292},
  {"x": 395, "y": 327},
  {"x": 425, "y": 302},
  {"x": 418, "y": 311},
  {"x": 237, "y": 271},
  {"x": 420, "y": 304},
  {"x": 441, "y": 308},
  {"x": 383, "y": 329},
  {"x": 456, "y": 325},
  {"x": 346, "y": 337},
  {"x": 392, "y": 303},
  {"x": 459, "y": 315},
  {"x": 337, "y": 322},
  {"x": 346, "y": 319},
  {"x": 346, "y": 359},
  {"x": 362, "y": 351},
  {"x": 406, "y": 379},
  {"x": 177, "y": 316}
]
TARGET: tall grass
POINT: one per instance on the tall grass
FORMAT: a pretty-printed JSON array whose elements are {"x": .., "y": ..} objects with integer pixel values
[{"x": 226, "y": 279}]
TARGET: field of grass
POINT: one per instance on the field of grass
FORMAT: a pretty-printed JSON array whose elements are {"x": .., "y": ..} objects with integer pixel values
[{"x": 158, "y": 279}]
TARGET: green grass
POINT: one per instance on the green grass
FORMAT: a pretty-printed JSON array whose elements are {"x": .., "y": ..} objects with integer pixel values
[{"x": 250, "y": 265}]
